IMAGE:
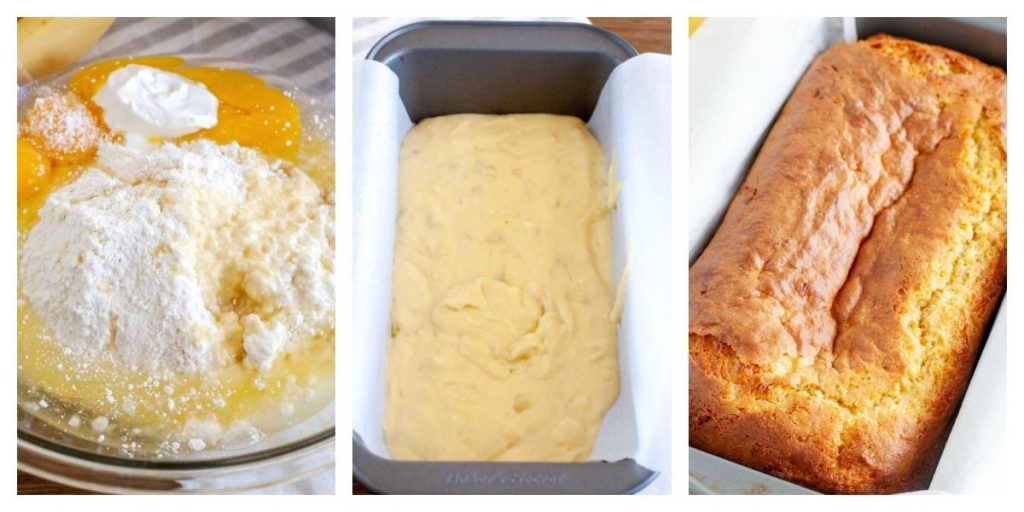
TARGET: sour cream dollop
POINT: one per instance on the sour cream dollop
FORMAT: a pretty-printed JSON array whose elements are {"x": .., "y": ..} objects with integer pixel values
[{"x": 145, "y": 101}]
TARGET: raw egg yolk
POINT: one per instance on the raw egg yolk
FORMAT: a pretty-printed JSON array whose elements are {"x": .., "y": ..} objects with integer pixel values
[
  {"x": 32, "y": 170},
  {"x": 250, "y": 112},
  {"x": 58, "y": 134},
  {"x": 63, "y": 128}
]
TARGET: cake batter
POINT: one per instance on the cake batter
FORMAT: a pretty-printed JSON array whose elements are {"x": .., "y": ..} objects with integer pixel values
[{"x": 503, "y": 343}]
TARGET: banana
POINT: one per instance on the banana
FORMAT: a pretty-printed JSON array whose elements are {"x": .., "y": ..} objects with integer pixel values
[{"x": 48, "y": 45}]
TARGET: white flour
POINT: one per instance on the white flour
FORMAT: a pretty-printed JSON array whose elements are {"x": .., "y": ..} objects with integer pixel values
[{"x": 183, "y": 258}]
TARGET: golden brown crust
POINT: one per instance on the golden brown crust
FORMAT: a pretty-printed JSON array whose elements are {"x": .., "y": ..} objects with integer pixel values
[{"x": 836, "y": 315}]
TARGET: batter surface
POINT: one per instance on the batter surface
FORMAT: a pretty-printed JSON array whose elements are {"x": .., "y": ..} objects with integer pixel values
[{"x": 503, "y": 341}]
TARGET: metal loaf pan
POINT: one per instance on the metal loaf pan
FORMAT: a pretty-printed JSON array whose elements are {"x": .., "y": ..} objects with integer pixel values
[
  {"x": 446, "y": 67},
  {"x": 983, "y": 38},
  {"x": 500, "y": 67}
]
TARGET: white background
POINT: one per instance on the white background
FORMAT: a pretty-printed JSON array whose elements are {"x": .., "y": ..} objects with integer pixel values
[{"x": 679, "y": 10}]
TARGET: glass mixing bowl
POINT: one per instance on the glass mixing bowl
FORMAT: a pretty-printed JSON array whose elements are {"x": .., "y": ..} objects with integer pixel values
[{"x": 297, "y": 451}]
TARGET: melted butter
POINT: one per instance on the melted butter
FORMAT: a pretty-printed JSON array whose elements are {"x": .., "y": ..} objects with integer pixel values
[
  {"x": 154, "y": 413},
  {"x": 503, "y": 339}
]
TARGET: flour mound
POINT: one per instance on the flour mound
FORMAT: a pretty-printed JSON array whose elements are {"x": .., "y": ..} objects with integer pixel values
[{"x": 183, "y": 258}]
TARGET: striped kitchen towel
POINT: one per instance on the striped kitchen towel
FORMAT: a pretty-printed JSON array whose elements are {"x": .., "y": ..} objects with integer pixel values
[{"x": 297, "y": 48}]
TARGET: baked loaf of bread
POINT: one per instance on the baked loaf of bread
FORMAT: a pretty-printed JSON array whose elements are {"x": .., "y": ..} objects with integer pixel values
[{"x": 837, "y": 313}]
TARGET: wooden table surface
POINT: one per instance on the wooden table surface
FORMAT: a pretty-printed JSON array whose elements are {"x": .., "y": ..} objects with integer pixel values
[
  {"x": 645, "y": 34},
  {"x": 31, "y": 484}
]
